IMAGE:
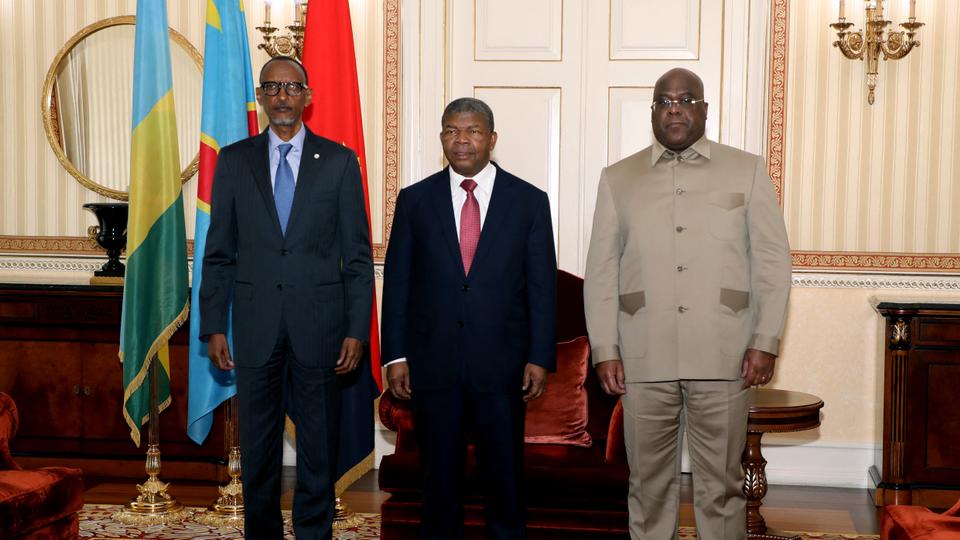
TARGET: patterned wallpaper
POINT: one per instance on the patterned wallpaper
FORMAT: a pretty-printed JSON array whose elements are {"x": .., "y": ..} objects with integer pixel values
[{"x": 882, "y": 178}]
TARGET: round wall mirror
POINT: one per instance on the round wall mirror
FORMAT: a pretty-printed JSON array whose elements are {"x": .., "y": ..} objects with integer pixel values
[{"x": 88, "y": 98}]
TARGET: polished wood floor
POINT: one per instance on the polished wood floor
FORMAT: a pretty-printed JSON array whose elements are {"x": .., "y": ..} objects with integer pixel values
[{"x": 792, "y": 508}]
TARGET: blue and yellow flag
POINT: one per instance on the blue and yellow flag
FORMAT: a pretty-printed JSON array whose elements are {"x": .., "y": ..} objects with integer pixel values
[
  {"x": 155, "y": 299},
  {"x": 229, "y": 114}
]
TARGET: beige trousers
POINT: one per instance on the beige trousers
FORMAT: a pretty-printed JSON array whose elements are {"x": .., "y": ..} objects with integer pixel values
[{"x": 714, "y": 415}]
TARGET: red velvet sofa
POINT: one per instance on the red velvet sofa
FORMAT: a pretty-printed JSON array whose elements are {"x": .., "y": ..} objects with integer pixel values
[
  {"x": 35, "y": 504},
  {"x": 901, "y": 522},
  {"x": 573, "y": 490}
]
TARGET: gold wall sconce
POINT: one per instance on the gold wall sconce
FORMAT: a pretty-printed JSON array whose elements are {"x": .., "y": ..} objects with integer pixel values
[
  {"x": 290, "y": 44},
  {"x": 870, "y": 43}
]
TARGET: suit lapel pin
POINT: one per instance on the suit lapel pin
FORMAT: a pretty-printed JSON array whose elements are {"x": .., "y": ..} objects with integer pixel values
[{"x": 316, "y": 156}]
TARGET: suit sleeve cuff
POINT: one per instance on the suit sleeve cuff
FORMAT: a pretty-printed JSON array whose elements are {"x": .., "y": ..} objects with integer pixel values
[
  {"x": 395, "y": 361},
  {"x": 604, "y": 353},
  {"x": 768, "y": 344}
]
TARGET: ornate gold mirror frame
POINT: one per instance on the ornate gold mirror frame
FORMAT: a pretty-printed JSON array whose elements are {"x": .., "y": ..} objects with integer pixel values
[{"x": 51, "y": 112}]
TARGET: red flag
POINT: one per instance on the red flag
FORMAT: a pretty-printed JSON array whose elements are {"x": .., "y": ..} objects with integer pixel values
[{"x": 331, "y": 63}]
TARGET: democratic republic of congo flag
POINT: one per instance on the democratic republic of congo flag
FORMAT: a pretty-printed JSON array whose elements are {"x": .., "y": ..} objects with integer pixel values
[
  {"x": 331, "y": 63},
  {"x": 229, "y": 114},
  {"x": 155, "y": 299}
]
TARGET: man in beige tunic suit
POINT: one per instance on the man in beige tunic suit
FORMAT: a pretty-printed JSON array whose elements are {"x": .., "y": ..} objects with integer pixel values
[{"x": 686, "y": 289}]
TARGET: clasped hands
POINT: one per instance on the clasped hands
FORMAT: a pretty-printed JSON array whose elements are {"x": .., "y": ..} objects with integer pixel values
[
  {"x": 534, "y": 381},
  {"x": 350, "y": 351},
  {"x": 757, "y": 370}
]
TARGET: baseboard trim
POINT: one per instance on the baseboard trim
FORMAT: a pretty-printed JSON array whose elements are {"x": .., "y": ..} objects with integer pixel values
[
  {"x": 827, "y": 464},
  {"x": 824, "y": 464}
]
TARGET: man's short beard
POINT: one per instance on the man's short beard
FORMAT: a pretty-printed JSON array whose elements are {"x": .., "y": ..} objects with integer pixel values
[{"x": 285, "y": 122}]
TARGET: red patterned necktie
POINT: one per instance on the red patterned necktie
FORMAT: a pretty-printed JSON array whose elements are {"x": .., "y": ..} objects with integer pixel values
[{"x": 469, "y": 225}]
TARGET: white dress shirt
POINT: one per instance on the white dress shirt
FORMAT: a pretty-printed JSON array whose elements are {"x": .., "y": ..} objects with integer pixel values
[
  {"x": 482, "y": 192},
  {"x": 293, "y": 156}
]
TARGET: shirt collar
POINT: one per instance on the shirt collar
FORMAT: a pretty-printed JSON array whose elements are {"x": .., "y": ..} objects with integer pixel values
[
  {"x": 484, "y": 178},
  {"x": 699, "y": 148},
  {"x": 296, "y": 140}
]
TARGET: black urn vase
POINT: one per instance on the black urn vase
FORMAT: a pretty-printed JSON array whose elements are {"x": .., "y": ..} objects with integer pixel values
[{"x": 110, "y": 234}]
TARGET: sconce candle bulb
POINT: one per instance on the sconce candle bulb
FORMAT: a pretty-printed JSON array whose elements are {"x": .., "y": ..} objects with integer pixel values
[
  {"x": 870, "y": 44},
  {"x": 290, "y": 44}
]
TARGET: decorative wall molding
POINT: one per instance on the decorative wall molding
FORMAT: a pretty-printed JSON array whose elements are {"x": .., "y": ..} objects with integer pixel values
[
  {"x": 51, "y": 264},
  {"x": 891, "y": 262},
  {"x": 861, "y": 281},
  {"x": 778, "y": 95},
  {"x": 77, "y": 245},
  {"x": 53, "y": 245},
  {"x": 391, "y": 120},
  {"x": 50, "y": 267}
]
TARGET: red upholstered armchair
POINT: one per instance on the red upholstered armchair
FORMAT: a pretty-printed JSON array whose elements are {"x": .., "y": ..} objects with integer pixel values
[
  {"x": 35, "y": 504},
  {"x": 573, "y": 491},
  {"x": 903, "y": 522}
]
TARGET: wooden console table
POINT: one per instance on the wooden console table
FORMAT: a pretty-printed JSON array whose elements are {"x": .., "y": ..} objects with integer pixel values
[
  {"x": 920, "y": 464},
  {"x": 772, "y": 411},
  {"x": 58, "y": 360}
]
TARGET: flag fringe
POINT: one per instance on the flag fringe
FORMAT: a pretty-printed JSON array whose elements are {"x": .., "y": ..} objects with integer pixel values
[
  {"x": 354, "y": 474},
  {"x": 137, "y": 381}
]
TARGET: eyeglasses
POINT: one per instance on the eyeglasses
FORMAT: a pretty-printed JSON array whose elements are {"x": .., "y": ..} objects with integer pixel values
[
  {"x": 683, "y": 103},
  {"x": 292, "y": 88}
]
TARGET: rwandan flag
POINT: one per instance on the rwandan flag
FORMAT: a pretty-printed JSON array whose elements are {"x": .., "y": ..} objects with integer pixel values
[
  {"x": 229, "y": 114},
  {"x": 155, "y": 290}
]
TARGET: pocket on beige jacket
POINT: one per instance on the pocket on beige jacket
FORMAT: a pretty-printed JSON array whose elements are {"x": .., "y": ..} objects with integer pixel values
[
  {"x": 632, "y": 325},
  {"x": 630, "y": 303}
]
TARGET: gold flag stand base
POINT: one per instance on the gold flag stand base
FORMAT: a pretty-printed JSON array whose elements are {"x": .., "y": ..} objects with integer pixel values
[
  {"x": 153, "y": 506},
  {"x": 222, "y": 515},
  {"x": 228, "y": 510},
  {"x": 345, "y": 518}
]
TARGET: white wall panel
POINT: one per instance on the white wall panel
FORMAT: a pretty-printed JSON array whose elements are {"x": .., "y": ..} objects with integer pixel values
[
  {"x": 510, "y": 30},
  {"x": 627, "y": 132},
  {"x": 528, "y": 126},
  {"x": 654, "y": 29}
]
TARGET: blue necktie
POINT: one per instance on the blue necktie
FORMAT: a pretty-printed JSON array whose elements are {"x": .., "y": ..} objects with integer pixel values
[{"x": 283, "y": 187}]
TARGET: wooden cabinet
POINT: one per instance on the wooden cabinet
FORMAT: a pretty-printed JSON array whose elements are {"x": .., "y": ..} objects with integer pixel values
[
  {"x": 58, "y": 359},
  {"x": 920, "y": 463}
]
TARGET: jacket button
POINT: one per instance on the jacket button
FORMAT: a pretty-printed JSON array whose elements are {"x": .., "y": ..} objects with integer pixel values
[
  {"x": 681, "y": 191},
  {"x": 280, "y": 286},
  {"x": 284, "y": 252},
  {"x": 680, "y": 229},
  {"x": 466, "y": 288},
  {"x": 682, "y": 309},
  {"x": 460, "y": 324},
  {"x": 681, "y": 268}
]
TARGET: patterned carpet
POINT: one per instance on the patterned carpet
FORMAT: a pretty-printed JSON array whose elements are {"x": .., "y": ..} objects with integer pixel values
[{"x": 96, "y": 524}]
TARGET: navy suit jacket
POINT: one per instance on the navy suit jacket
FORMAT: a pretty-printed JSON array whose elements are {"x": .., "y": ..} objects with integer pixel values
[
  {"x": 318, "y": 277},
  {"x": 480, "y": 328}
]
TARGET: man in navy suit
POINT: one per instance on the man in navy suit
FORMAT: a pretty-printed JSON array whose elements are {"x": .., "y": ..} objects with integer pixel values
[
  {"x": 289, "y": 241},
  {"x": 469, "y": 310}
]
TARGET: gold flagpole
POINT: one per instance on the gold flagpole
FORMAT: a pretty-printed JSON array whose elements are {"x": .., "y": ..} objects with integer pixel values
[
  {"x": 227, "y": 511},
  {"x": 153, "y": 505}
]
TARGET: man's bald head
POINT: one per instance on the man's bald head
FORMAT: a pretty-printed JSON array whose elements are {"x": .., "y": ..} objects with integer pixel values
[
  {"x": 679, "y": 114},
  {"x": 680, "y": 75}
]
